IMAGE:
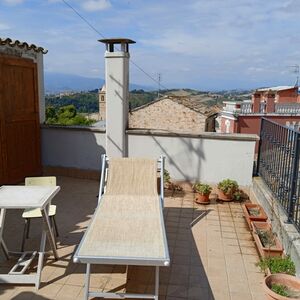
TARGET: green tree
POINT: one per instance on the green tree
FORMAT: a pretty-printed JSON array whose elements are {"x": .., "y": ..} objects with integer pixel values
[{"x": 66, "y": 115}]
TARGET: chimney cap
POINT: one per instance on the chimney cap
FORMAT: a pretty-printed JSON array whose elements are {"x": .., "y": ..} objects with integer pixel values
[{"x": 117, "y": 41}]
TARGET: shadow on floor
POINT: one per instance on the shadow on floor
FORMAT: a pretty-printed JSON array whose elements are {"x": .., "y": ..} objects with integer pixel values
[{"x": 185, "y": 278}]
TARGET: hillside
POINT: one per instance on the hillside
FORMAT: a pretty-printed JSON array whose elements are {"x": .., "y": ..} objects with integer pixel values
[
  {"x": 87, "y": 102},
  {"x": 58, "y": 82}
]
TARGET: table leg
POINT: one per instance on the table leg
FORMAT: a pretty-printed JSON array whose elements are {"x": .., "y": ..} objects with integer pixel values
[
  {"x": 156, "y": 283},
  {"x": 2, "y": 219},
  {"x": 49, "y": 231},
  {"x": 41, "y": 259}
]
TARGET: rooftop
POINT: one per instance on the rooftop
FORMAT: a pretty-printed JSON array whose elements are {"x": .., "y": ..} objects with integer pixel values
[
  {"x": 189, "y": 102},
  {"x": 14, "y": 43},
  {"x": 212, "y": 252},
  {"x": 276, "y": 88}
]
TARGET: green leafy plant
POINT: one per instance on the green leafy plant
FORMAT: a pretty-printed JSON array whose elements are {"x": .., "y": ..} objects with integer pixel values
[
  {"x": 228, "y": 186},
  {"x": 238, "y": 195},
  {"x": 254, "y": 211},
  {"x": 167, "y": 176},
  {"x": 278, "y": 265},
  {"x": 170, "y": 185},
  {"x": 280, "y": 289},
  {"x": 201, "y": 188}
]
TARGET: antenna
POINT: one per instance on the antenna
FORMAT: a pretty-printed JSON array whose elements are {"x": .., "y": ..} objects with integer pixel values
[
  {"x": 159, "y": 80},
  {"x": 296, "y": 70}
]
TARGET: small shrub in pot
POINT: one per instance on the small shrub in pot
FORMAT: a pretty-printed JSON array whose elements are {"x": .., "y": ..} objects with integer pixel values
[
  {"x": 202, "y": 191},
  {"x": 226, "y": 189}
]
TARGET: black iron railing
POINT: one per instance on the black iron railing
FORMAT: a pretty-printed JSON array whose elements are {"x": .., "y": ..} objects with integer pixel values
[{"x": 278, "y": 165}]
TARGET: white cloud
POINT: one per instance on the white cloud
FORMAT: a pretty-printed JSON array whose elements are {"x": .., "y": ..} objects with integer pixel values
[
  {"x": 4, "y": 26},
  {"x": 13, "y": 2},
  {"x": 96, "y": 5}
]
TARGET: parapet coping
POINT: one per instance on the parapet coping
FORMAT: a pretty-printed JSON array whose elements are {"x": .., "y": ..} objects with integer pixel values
[
  {"x": 204, "y": 135},
  {"x": 74, "y": 128}
]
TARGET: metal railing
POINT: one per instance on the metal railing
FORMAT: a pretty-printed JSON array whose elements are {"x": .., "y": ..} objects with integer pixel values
[{"x": 278, "y": 165}]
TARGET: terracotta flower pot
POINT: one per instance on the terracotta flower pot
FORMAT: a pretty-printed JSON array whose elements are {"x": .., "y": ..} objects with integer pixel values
[
  {"x": 266, "y": 251},
  {"x": 224, "y": 197},
  {"x": 202, "y": 199},
  {"x": 261, "y": 216},
  {"x": 291, "y": 282}
]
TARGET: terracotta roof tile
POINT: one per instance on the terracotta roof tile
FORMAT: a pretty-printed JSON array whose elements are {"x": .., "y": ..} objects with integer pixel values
[
  {"x": 195, "y": 105},
  {"x": 17, "y": 43},
  {"x": 191, "y": 103}
]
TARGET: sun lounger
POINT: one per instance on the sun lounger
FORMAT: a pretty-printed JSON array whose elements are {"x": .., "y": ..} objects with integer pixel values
[{"x": 128, "y": 226}]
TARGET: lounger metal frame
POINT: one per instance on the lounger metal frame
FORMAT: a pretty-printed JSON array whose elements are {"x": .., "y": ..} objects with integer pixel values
[{"x": 88, "y": 260}]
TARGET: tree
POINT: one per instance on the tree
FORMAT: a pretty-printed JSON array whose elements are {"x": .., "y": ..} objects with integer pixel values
[{"x": 66, "y": 115}]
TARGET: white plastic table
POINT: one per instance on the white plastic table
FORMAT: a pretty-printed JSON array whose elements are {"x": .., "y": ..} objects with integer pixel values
[{"x": 22, "y": 197}]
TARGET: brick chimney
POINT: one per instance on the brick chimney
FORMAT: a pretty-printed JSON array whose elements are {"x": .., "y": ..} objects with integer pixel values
[{"x": 117, "y": 92}]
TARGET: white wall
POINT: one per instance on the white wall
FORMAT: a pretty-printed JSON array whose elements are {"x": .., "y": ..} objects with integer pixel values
[
  {"x": 208, "y": 157},
  {"x": 72, "y": 147}
]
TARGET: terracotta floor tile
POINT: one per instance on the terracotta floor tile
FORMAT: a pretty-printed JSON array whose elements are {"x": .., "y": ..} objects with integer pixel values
[
  {"x": 177, "y": 291},
  {"x": 196, "y": 293},
  {"x": 48, "y": 291},
  {"x": 220, "y": 295},
  {"x": 204, "y": 244},
  {"x": 241, "y": 295},
  {"x": 68, "y": 292},
  {"x": 249, "y": 250},
  {"x": 229, "y": 235}
]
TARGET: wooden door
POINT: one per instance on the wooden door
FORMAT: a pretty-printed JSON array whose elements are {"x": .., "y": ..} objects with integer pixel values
[{"x": 19, "y": 120}]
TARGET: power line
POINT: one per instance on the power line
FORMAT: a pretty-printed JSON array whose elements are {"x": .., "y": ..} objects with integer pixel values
[
  {"x": 103, "y": 36},
  {"x": 83, "y": 18}
]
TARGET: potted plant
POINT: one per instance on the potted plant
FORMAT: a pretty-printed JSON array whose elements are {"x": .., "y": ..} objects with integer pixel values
[
  {"x": 169, "y": 185},
  {"x": 202, "y": 192},
  {"x": 254, "y": 212},
  {"x": 266, "y": 241},
  {"x": 273, "y": 265},
  {"x": 226, "y": 189},
  {"x": 282, "y": 287}
]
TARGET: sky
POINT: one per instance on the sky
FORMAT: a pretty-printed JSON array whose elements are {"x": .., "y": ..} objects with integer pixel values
[{"x": 201, "y": 44}]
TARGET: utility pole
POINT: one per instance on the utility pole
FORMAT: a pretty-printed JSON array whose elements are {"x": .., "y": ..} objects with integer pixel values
[
  {"x": 159, "y": 80},
  {"x": 296, "y": 69}
]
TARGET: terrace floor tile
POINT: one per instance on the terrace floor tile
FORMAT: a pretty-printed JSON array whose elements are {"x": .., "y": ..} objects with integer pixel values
[{"x": 212, "y": 250}]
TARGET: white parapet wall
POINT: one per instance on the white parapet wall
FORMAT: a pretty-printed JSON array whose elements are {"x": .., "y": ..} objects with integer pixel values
[
  {"x": 72, "y": 147},
  {"x": 208, "y": 157}
]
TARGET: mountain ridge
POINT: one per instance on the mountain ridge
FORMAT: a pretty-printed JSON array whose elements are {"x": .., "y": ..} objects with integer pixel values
[{"x": 62, "y": 82}]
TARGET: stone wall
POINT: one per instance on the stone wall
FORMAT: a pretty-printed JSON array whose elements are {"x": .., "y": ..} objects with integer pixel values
[{"x": 167, "y": 115}]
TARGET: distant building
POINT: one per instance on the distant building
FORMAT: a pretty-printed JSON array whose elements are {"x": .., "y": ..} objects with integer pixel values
[
  {"x": 102, "y": 104},
  {"x": 280, "y": 104},
  {"x": 174, "y": 113}
]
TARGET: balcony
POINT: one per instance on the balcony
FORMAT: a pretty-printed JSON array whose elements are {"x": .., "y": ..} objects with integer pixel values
[
  {"x": 280, "y": 108},
  {"x": 212, "y": 252},
  {"x": 287, "y": 108}
]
